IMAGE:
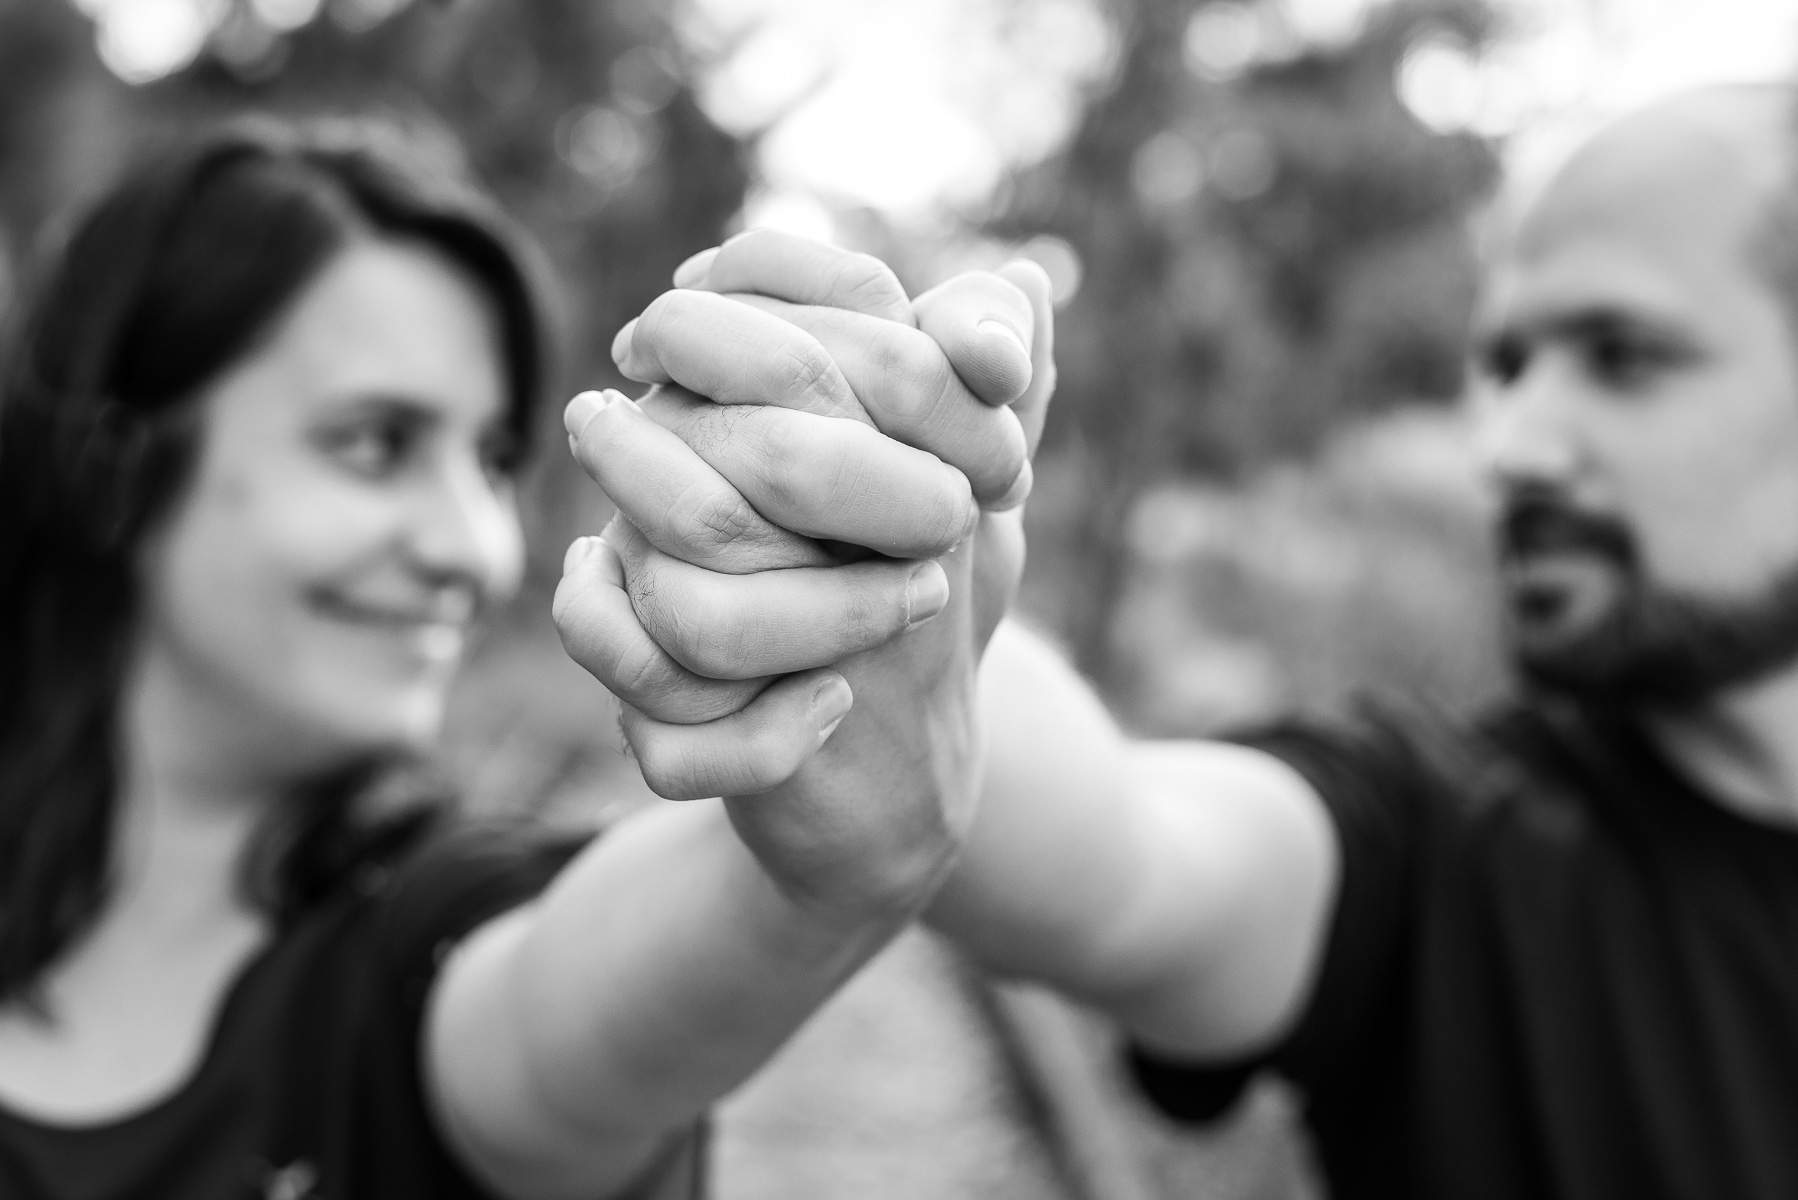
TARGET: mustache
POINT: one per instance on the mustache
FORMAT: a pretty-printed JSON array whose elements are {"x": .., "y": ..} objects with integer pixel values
[{"x": 1542, "y": 523}]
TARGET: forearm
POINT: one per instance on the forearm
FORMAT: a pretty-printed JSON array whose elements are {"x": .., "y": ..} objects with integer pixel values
[
  {"x": 1183, "y": 887},
  {"x": 1052, "y": 860},
  {"x": 657, "y": 973}
]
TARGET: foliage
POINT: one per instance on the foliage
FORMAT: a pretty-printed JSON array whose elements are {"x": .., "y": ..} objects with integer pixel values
[
  {"x": 1264, "y": 256},
  {"x": 577, "y": 114}
]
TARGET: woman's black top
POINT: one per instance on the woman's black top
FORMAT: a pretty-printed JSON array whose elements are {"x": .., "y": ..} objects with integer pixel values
[
  {"x": 1557, "y": 971},
  {"x": 310, "y": 1086}
]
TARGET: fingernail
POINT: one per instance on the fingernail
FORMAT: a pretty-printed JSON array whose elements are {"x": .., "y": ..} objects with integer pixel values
[
  {"x": 1017, "y": 493},
  {"x": 999, "y": 329},
  {"x": 926, "y": 594},
  {"x": 830, "y": 704},
  {"x": 695, "y": 269},
  {"x": 621, "y": 345},
  {"x": 581, "y": 550},
  {"x": 583, "y": 408}
]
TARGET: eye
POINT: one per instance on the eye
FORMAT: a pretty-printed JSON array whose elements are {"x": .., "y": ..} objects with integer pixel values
[
  {"x": 374, "y": 446},
  {"x": 501, "y": 455},
  {"x": 1627, "y": 361},
  {"x": 1503, "y": 359}
]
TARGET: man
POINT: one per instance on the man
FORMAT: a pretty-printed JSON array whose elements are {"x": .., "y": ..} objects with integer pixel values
[{"x": 1551, "y": 955}]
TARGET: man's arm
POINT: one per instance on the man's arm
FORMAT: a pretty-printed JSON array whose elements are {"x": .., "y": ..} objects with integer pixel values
[{"x": 1185, "y": 888}]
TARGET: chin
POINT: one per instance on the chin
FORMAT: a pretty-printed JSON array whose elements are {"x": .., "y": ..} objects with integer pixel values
[{"x": 396, "y": 723}]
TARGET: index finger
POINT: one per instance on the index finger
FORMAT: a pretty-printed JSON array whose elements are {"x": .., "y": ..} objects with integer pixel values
[{"x": 787, "y": 267}]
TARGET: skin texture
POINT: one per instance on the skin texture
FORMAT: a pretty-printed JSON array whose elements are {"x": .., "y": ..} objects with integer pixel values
[{"x": 1640, "y": 366}]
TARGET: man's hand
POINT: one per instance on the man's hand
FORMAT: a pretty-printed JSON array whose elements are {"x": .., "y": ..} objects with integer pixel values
[{"x": 694, "y": 652}]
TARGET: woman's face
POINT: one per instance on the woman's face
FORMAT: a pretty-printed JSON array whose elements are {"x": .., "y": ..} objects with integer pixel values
[{"x": 310, "y": 597}]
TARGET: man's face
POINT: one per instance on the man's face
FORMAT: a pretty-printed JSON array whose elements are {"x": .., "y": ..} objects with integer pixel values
[{"x": 1640, "y": 410}]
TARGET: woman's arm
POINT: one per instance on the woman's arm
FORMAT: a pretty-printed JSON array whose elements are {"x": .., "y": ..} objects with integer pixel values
[{"x": 567, "y": 1041}]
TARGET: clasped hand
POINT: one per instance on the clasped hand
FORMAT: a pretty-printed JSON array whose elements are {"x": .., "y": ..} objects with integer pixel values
[{"x": 818, "y": 530}]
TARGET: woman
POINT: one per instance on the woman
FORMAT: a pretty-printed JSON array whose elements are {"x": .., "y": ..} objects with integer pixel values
[{"x": 256, "y": 459}]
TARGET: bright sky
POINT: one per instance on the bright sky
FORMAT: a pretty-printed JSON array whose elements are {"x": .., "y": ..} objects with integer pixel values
[
  {"x": 913, "y": 105},
  {"x": 917, "y": 107}
]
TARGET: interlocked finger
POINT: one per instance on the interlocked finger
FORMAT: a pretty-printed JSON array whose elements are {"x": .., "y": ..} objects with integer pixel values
[
  {"x": 732, "y": 353},
  {"x": 601, "y": 632},
  {"x": 800, "y": 271},
  {"x": 744, "y": 753},
  {"x": 680, "y": 503},
  {"x": 821, "y": 477},
  {"x": 772, "y": 622},
  {"x": 910, "y": 389},
  {"x": 982, "y": 322}
]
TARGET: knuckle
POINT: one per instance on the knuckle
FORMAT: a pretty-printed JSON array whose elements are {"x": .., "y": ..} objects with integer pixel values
[
  {"x": 804, "y": 371},
  {"x": 867, "y": 284},
  {"x": 666, "y": 770},
  {"x": 639, "y": 672},
  {"x": 951, "y": 511},
  {"x": 918, "y": 370},
  {"x": 870, "y": 616},
  {"x": 706, "y": 635},
  {"x": 708, "y": 429},
  {"x": 788, "y": 449},
  {"x": 709, "y": 519}
]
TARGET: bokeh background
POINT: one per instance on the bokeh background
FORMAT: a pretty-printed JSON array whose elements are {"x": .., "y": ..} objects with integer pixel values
[{"x": 1263, "y": 220}]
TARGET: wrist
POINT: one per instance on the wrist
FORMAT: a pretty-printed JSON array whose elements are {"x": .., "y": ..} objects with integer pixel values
[{"x": 849, "y": 882}]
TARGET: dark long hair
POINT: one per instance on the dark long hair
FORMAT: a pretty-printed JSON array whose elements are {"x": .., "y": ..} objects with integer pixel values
[{"x": 174, "y": 275}]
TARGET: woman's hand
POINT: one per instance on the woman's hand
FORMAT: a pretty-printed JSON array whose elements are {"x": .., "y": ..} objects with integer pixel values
[
  {"x": 569, "y": 1039},
  {"x": 717, "y": 613}
]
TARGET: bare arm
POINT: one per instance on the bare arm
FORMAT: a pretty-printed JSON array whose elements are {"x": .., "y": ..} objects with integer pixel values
[
  {"x": 1183, "y": 887},
  {"x": 567, "y": 1041}
]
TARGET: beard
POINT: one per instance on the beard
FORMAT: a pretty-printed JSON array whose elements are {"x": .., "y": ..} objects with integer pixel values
[{"x": 1644, "y": 643}]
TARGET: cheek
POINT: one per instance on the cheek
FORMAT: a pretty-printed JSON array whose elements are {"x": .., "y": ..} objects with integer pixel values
[
  {"x": 1713, "y": 485},
  {"x": 231, "y": 595},
  {"x": 503, "y": 540},
  {"x": 247, "y": 549}
]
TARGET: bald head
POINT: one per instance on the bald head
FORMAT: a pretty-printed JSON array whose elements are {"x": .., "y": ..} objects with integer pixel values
[
  {"x": 1708, "y": 176},
  {"x": 1641, "y": 388}
]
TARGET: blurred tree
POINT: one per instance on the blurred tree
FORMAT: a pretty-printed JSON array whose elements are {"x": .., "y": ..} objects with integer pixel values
[
  {"x": 1270, "y": 242},
  {"x": 578, "y": 114}
]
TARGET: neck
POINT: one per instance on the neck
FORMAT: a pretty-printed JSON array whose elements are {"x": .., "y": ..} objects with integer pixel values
[
  {"x": 188, "y": 806},
  {"x": 1740, "y": 746}
]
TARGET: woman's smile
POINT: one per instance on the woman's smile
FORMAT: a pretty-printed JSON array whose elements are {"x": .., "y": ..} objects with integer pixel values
[{"x": 433, "y": 627}]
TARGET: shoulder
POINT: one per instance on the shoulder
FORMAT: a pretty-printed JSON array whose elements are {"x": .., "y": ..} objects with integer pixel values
[
  {"x": 1416, "y": 800},
  {"x": 380, "y": 932},
  {"x": 456, "y": 878},
  {"x": 360, "y": 967}
]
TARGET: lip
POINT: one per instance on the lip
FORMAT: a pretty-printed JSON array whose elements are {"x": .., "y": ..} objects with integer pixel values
[
  {"x": 435, "y": 629},
  {"x": 450, "y": 606}
]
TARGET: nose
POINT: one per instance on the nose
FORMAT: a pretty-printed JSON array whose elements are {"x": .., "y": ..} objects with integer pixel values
[
  {"x": 1528, "y": 429},
  {"x": 465, "y": 531}
]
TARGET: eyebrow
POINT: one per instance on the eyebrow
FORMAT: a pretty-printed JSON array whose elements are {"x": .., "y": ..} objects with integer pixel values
[{"x": 1586, "y": 323}]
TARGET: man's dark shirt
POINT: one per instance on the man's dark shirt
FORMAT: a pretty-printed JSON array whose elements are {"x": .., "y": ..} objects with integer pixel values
[{"x": 1556, "y": 970}]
